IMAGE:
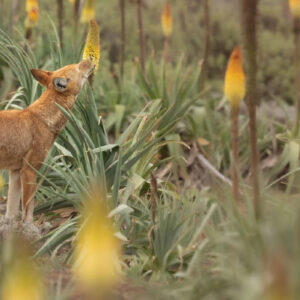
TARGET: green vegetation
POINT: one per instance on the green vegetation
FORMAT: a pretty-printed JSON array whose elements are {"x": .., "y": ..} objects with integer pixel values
[{"x": 160, "y": 148}]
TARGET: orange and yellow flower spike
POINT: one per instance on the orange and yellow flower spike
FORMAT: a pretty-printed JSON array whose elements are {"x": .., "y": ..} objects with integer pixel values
[
  {"x": 295, "y": 8},
  {"x": 167, "y": 21},
  {"x": 235, "y": 85},
  {"x": 97, "y": 249},
  {"x": 92, "y": 45},
  {"x": 88, "y": 12}
]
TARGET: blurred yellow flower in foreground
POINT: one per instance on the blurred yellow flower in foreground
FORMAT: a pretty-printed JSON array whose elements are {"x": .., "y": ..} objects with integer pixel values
[
  {"x": 295, "y": 8},
  {"x": 235, "y": 79},
  {"x": 72, "y": 1},
  {"x": 167, "y": 20},
  {"x": 92, "y": 45},
  {"x": 21, "y": 281},
  {"x": 89, "y": 11},
  {"x": 97, "y": 250}
]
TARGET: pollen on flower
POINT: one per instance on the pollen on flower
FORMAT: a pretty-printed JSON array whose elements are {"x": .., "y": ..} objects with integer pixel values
[
  {"x": 234, "y": 88},
  {"x": 88, "y": 12},
  {"x": 295, "y": 8},
  {"x": 92, "y": 46},
  {"x": 167, "y": 20}
]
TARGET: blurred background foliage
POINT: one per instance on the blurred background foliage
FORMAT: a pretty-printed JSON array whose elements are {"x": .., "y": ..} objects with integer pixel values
[{"x": 275, "y": 37}]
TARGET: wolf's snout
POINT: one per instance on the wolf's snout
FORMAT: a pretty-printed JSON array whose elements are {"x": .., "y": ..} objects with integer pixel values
[{"x": 86, "y": 65}]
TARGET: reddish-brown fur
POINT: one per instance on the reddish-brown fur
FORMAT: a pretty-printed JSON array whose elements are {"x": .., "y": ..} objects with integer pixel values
[{"x": 27, "y": 135}]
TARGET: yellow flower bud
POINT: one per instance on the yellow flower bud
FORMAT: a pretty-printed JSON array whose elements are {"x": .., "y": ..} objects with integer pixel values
[
  {"x": 92, "y": 45},
  {"x": 30, "y": 4},
  {"x": 89, "y": 11},
  {"x": 167, "y": 20},
  {"x": 32, "y": 18},
  {"x": 295, "y": 8},
  {"x": 32, "y": 9},
  {"x": 235, "y": 79}
]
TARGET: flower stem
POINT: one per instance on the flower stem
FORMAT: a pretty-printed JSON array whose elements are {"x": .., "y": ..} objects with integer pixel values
[
  {"x": 166, "y": 49},
  {"x": 141, "y": 35},
  {"x": 28, "y": 34},
  {"x": 60, "y": 16},
  {"x": 296, "y": 31},
  {"x": 123, "y": 36},
  {"x": 249, "y": 14},
  {"x": 76, "y": 12},
  {"x": 203, "y": 74},
  {"x": 235, "y": 150}
]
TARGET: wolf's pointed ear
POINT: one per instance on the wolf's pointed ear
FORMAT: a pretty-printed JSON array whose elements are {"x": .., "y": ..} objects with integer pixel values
[{"x": 43, "y": 77}]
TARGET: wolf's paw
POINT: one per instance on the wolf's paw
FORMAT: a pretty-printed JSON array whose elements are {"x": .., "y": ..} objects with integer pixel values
[
  {"x": 30, "y": 231},
  {"x": 25, "y": 230},
  {"x": 8, "y": 225}
]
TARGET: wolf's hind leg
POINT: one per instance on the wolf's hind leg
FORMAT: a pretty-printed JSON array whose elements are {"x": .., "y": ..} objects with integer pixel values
[
  {"x": 28, "y": 178},
  {"x": 14, "y": 195}
]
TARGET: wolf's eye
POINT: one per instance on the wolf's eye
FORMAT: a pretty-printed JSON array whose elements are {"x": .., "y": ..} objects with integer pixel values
[{"x": 60, "y": 83}]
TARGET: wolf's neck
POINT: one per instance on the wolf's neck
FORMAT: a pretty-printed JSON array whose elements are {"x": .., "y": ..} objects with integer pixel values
[{"x": 46, "y": 109}]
